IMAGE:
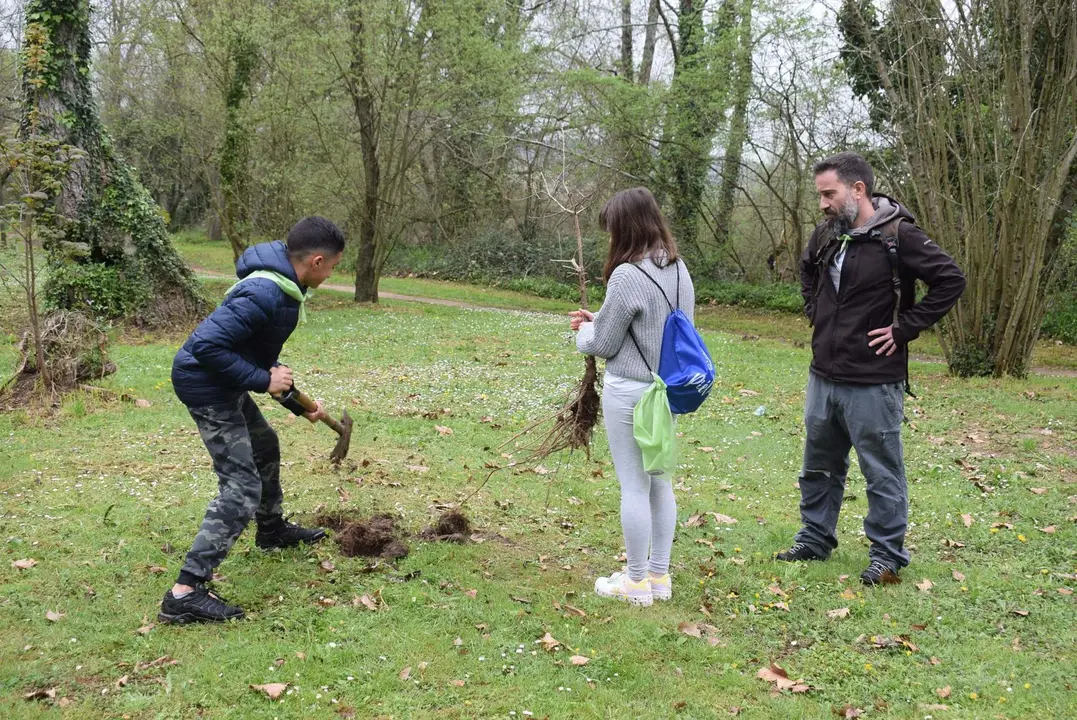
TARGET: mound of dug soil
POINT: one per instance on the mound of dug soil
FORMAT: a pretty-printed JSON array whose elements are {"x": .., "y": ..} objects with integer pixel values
[
  {"x": 378, "y": 536},
  {"x": 452, "y": 526},
  {"x": 375, "y": 537}
]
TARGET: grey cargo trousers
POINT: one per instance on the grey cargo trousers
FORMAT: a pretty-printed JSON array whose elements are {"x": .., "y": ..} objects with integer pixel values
[{"x": 843, "y": 416}]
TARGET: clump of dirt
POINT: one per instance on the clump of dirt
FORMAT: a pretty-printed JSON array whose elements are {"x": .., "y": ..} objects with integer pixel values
[
  {"x": 452, "y": 526},
  {"x": 453, "y": 522},
  {"x": 376, "y": 537}
]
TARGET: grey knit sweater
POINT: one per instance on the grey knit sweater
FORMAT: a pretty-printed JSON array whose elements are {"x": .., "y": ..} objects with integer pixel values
[{"x": 633, "y": 301}]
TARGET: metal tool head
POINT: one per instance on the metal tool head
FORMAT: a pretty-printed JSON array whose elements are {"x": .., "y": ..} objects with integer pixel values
[{"x": 343, "y": 441}]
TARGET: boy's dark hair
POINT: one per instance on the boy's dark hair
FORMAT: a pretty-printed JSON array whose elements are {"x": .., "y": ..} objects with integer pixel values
[
  {"x": 314, "y": 234},
  {"x": 850, "y": 167}
]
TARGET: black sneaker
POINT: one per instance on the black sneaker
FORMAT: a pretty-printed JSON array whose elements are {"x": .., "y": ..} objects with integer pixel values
[
  {"x": 283, "y": 534},
  {"x": 799, "y": 553},
  {"x": 879, "y": 573},
  {"x": 199, "y": 605}
]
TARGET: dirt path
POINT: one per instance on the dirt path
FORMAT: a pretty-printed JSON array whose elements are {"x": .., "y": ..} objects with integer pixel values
[{"x": 203, "y": 272}]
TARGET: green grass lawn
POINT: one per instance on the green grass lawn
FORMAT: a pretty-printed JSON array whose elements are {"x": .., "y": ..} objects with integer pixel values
[{"x": 106, "y": 496}]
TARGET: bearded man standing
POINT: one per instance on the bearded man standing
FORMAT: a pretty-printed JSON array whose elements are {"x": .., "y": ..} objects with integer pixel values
[{"x": 858, "y": 278}]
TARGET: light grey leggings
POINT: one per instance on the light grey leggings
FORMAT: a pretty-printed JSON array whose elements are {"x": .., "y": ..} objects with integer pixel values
[{"x": 648, "y": 508}]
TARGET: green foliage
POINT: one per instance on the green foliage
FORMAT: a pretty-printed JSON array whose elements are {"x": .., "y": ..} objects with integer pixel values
[
  {"x": 1060, "y": 320},
  {"x": 104, "y": 291}
]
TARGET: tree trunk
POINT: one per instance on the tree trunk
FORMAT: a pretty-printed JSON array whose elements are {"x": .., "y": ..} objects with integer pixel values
[
  {"x": 738, "y": 128},
  {"x": 115, "y": 257},
  {"x": 366, "y": 275},
  {"x": 627, "y": 61},
  {"x": 647, "y": 61},
  {"x": 235, "y": 155},
  {"x": 700, "y": 83}
]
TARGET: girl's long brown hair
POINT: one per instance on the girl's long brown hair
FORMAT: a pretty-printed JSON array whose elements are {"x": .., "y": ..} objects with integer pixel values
[{"x": 636, "y": 227}]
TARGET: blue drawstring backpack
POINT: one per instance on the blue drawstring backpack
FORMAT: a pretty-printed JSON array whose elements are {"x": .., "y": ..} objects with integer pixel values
[{"x": 685, "y": 365}]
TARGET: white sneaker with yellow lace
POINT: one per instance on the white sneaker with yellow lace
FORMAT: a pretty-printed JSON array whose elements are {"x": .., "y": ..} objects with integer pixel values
[
  {"x": 661, "y": 587},
  {"x": 621, "y": 587}
]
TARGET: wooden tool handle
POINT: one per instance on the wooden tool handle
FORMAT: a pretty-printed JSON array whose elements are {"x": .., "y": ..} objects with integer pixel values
[{"x": 312, "y": 406}]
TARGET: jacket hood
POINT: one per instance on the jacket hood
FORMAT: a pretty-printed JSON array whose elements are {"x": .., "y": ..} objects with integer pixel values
[
  {"x": 886, "y": 209},
  {"x": 272, "y": 256}
]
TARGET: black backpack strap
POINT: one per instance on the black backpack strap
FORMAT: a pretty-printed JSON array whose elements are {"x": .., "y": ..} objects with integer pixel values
[
  {"x": 890, "y": 240},
  {"x": 643, "y": 357},
  {"x": 664, "y": 296},
  {"x": 889, "y": 237}
]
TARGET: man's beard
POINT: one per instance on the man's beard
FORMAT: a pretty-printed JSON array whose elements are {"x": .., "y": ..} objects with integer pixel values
[{"x": 840, "y": 222}]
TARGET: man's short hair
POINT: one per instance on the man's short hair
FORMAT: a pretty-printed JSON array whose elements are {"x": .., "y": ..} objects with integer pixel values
[
  {"x": 313, "y": 235},
  {"x": 850, "y": 167}
]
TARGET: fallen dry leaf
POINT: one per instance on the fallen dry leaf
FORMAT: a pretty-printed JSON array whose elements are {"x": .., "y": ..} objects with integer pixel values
[
  {"x": 53, "y": 616},
  {"x": 723, "y": 519},
  {"x": 775, "y": 590},
  {"x": 1064, "y": 591},
  {"x": 370, "y": 603},
  {"x": 960, "y": 577},
  {"x": 25, "y": 564},
  {"x": 848, "y": 594},
  {"x": 837, "y": 614},
  {"x": 405, "y": 674},
  {"x": 142, "y": 403},
  {"x": 442, "y": 430},
  {"x": 548, "y": 642},
  {"x": 967, "y": 519},
  {"x": 933, "y": 706},
  {"x": 695, "y": 521},
  {"x": 943, "y": 692},
  {"x": 579, "y": 660},
  {"x": 418, "y": 468},
  {"x": 121, "y": 682},
  {"x": 471, "y": 593},
  {"x": 145, "y": 629},
  {"x": 690, "y": 628},
  {"x": 780, "y": 679},
  {"x": 1020, "y": 613},
  {"x": 272, "y": 690},
  {"x": 935, "y": 661},
  {"x": 457, "y": 683},
  {"x": 327, "y": 566},
  {"x": 925, "y": 586},
  {"x": 848, "y": 712},
  {"x": 1050, "y": 529},
  {"x": 327, "y": 602},
  {"x": 1038, "y": 491}
]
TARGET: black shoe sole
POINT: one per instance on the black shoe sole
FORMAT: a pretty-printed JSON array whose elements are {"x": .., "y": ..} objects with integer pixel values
[
  {"x": 814, "y": 558},
  {"x": 190, "y": 618}
]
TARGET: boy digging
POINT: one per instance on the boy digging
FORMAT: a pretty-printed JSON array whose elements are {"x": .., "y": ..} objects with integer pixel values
[{"x": 231, "y": 353}]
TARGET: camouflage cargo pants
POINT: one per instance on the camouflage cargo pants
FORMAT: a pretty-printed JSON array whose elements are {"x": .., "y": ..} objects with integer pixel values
[{"x": 246, "y": 458}]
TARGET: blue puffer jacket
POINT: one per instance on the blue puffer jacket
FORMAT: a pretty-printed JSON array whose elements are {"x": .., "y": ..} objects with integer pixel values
[{"x": 232, "y": 350}]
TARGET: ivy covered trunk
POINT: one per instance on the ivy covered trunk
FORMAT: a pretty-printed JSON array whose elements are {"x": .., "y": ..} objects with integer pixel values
[{"x": 114, "y": 258}]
